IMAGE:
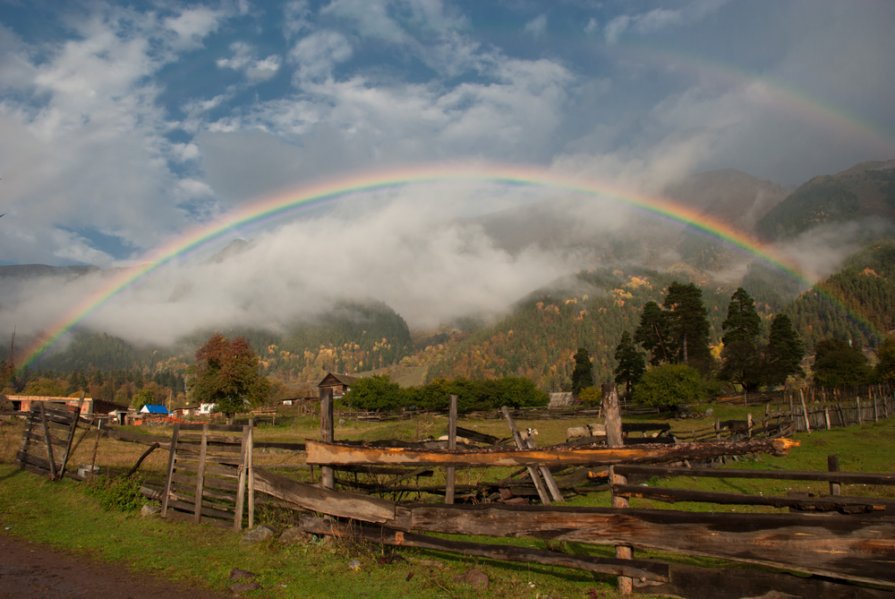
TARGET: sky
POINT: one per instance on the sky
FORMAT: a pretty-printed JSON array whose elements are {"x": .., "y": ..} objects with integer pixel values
[{"x": 124, "y": 125}]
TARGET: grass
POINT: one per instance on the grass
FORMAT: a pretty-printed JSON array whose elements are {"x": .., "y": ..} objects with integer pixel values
[{"x": 64, "y": 515}]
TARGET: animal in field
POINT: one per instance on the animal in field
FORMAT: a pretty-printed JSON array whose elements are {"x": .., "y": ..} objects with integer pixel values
[{"x": 586, "y": 430}]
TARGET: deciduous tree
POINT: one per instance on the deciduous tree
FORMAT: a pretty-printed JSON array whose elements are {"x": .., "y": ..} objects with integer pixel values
[
  {"x": 228, "y": 375},
  {"x": 838, "y": 364}
]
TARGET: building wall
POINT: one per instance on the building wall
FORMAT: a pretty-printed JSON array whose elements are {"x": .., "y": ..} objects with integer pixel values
[{"x": 25, "y": 402}]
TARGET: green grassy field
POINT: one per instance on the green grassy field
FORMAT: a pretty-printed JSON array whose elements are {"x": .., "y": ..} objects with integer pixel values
[{"x": 62, "y": 514}]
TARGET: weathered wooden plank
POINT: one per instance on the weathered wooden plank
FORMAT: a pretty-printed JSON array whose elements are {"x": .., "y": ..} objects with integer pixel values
[
  {"x": 207, "y": 512},
  {"x": 334, "y": 503},
  {"x": 468, "y": 433},
  {"x": 48, "y": 440},
  {"x": 200, "y": 475},
  {"x": 640, "y": 569},
  {"x": 334, "y": 454},
  {"x": 848, "y": 505},
  {"x": 866, "y": 478},
  {"x": 857, "y": 548},
  {"x": 170, "y": 472},
  {"x": 451, "y": 473},
  {"x": 534, "y": 473}
]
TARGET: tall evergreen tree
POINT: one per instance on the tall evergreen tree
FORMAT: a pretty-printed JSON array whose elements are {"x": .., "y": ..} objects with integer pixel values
[
  {"x": 583, "y": 374},
  {"x": 688, "y": 326},
  {"x": 740, "y": 356},
  {"x": 631, "y": 364},
  {"x": 885, "y": 367},
  {"x": 652, "y": 333},
  {"x": 784, "y": 353}
]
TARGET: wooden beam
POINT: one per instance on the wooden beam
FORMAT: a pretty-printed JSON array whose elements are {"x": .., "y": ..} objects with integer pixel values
[
  {"x": 642, "y": 570},
  {"x": 451, "y": 473},
  {"x": 327, "y": 434},
  {"x": 332, "y": 454},
  {"x": 859, "y": 548},
  {"x": 49, "y": 441},
  {"x": 848, "y": 505},
  {"x": 333, "y": 503},
  {"x": 533, "y": 471},
  {"x": 865, "y": 478},
  {"x": 171, "y": 460},
  {"x": 200, "y": 476}
]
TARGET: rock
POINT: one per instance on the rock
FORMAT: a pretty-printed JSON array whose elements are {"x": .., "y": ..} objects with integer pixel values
[
  {"x": 240, "y": 574},
  {"x": 259, "y": 534},
  {"x": 244, "y": 587},
  {"x": 293, "y": 535},
  {"x": 149, "y": 510},
  {"x": 475, "y": 578}
]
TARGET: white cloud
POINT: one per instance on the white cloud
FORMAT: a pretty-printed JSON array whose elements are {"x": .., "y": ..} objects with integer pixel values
[
  {"x": 537, "y": 26},
  {"x": 244, "y": 60},
  {"x": 317, "y": 54},
  {"x": 192, "y": 25},
  {"x": 659, "y": 19}
]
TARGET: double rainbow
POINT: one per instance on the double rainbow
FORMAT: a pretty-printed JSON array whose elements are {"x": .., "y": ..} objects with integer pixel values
[{"x": 328, "y": 191}]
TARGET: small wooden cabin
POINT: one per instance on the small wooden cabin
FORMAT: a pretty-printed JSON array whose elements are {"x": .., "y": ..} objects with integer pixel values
[{"x": 339, "y": 383}]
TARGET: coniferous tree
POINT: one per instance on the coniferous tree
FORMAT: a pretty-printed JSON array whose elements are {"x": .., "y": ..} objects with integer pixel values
[
  {"x": 583, "y": 374},
  {"x": 885, "y": 367},
  {"x": 631, "y": 364},
  {"x": 688, "y": 326},
  {"x": 652, "y": 333},
  {"x": 784, "y": 353},
  {"x": 740, "y": 356}
]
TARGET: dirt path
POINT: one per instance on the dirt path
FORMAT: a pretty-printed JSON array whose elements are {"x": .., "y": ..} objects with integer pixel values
[{"x": 33, "y": 571}]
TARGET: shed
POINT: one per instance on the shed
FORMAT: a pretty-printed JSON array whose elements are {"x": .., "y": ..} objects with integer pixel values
[{"x": 339, "y": 383}]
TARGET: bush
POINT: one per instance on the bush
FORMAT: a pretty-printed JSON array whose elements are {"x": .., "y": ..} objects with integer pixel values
[
  {"x": 670, "y": 387},
  {"x": 122, "y": 493}
]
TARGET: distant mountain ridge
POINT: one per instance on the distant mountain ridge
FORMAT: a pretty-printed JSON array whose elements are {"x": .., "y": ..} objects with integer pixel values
[{"x": 864, "y": 192}]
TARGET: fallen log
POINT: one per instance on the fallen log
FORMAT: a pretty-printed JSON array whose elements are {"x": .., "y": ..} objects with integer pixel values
[
  {"x": 339, "y": 454},
  {"x": 642, "y": 570}
]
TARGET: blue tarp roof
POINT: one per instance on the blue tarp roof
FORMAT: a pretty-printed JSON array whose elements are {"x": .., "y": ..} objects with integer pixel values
[{"x": 155, "y": 409}]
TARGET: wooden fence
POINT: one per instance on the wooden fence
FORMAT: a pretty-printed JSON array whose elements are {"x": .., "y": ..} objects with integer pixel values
[{"x": 210, "y": 473}]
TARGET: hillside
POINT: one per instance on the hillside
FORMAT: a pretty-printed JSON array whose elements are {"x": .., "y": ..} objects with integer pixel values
[
  {"x": 865, "y": 192},
  {"x": 539, "y": 337},
  {"x": 857, "y": 302}
]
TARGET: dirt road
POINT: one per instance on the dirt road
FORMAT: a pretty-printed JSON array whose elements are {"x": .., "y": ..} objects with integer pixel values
[{"x": 32, "y": 571}]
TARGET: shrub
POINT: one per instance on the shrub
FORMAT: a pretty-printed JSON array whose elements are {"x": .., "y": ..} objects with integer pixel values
[
  {"x": 670, "y": 386},
  {"x": 121, "y": 493}
]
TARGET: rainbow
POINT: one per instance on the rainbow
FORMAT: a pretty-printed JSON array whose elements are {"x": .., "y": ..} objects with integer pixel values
[
  {"x": 777, "y": 94},
  {"x": 327, "y": 191}
]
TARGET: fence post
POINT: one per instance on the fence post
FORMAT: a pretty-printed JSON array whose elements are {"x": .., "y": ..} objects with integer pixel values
[
  {"x": 451, "y": 473},
  {"x": 749, "y": 425},
  {"x": 875, "y": 409},
  {"x": 833, "y": 466},
  {"x": 804, "y": 411},
  {"x": 827, "y": 416},
  {"x": 614, "y": 438},
  {"x": 200, "y": 475},
  {"x": 858, "y": 409},
  {"x": 250, "y": 473},
  {"x": 327, "y": 475}
]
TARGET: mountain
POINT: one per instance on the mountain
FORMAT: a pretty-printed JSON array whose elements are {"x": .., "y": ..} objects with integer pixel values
[
  {"x": 856, "y": 303},
  {"x": 730, "y": 196},
  {"x": 351, "y": 337},
  {"x": 864, "y": 193},
  {"x": 539, "y": 337}
]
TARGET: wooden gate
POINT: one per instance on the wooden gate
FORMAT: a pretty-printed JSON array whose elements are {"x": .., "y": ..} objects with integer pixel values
[
  {"x": 209, "y": 473},
  {"x": 47, "y": 441}
]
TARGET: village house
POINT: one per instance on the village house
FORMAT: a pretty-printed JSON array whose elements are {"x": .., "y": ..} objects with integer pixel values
[{"x": 24, "y": 403}]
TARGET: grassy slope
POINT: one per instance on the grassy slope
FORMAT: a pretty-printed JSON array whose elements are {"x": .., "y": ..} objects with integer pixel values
[{"x": 61, "y": 514}]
